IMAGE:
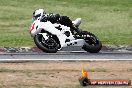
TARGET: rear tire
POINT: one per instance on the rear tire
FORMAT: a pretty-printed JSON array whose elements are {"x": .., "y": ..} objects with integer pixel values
[
  {"x": 49, "y": 46},
  {"x": 93, "y": 45}
]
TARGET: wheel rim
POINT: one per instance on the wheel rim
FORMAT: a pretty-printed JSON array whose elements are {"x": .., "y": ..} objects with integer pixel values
[
  {"x": 50, "y": 43},
  {"x": 92, "y": 40}
]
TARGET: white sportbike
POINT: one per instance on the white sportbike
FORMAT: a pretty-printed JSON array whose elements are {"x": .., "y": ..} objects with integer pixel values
[{"x": 52, "y": 37}]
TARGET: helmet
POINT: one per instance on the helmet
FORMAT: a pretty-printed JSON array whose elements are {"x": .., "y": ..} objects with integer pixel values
[{"x": 37, "y": 14}]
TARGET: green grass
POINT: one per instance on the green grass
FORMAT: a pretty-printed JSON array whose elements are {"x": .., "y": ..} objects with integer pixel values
[{"x": 110, "y": 20}]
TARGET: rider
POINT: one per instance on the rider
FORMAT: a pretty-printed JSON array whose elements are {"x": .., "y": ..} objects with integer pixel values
[{"x": 40, "y": 14}]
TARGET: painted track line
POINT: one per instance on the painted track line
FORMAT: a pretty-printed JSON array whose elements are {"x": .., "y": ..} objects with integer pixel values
[{"x": 21, "y": 60}]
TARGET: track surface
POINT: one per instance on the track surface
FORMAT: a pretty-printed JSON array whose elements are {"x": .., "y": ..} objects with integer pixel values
[{"x": 65, "y": 55}]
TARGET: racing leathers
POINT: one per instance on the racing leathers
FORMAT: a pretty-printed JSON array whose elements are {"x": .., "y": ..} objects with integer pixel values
[{"x": 56, "y": 18}]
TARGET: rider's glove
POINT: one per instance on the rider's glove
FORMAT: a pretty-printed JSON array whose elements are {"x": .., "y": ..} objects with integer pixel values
[{"x": 44, "y": 18}]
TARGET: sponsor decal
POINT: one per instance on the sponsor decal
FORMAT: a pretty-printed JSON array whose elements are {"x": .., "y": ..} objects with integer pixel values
[{"x": 85, "y": 81}]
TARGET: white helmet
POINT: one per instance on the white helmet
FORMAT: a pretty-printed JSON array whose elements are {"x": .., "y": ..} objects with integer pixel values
[{"x": 37, "y": 14}]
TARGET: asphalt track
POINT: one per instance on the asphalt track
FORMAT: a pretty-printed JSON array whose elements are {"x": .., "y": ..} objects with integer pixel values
[{"x": 67, "y": 55}]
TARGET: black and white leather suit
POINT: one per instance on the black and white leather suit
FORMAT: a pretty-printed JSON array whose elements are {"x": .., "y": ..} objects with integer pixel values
[{"x": 56, "y": 18}]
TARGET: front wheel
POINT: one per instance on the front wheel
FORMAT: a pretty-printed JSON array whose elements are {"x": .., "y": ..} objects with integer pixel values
[
  {"x": 49, "y": 45},
  {"x": 92, "y": 43}
]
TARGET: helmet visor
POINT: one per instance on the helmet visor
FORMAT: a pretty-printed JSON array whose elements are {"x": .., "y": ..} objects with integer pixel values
[{"x": 36, "y": 17}]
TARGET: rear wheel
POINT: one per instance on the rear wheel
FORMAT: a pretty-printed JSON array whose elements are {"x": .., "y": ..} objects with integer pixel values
[
  {"x": 92, "y": 45},
  {"x": 49, "y": 45}
]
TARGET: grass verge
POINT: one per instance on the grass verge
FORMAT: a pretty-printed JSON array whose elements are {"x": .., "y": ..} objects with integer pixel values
[{"x": 110, "y": 20}]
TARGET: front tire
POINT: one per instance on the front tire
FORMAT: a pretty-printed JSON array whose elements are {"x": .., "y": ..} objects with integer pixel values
[
  {"x": 93, "y": 44},
  {"x": 49, "y": 46}
]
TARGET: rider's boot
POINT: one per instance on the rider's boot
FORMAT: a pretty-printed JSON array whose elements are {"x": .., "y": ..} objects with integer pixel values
[{"x": 75, "y": 29}]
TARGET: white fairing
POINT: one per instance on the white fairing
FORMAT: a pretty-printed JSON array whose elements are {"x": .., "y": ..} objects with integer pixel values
[
  {"x": 37, "y": 26},
  {"x": 48, "y": 26}
]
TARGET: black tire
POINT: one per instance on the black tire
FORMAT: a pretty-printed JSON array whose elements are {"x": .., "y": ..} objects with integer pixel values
[
  {"x": 50, "y": 47},
  {"x": 93, "y": 44}
]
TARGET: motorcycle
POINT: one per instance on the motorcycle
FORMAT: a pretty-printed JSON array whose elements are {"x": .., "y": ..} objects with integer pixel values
[{"x": 53, "y": 37}]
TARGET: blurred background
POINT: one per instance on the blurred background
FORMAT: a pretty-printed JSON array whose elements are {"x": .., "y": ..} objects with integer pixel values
[{"x": 110, "y": 20}]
